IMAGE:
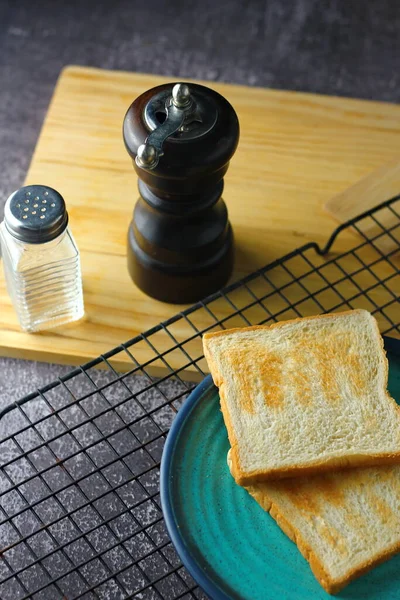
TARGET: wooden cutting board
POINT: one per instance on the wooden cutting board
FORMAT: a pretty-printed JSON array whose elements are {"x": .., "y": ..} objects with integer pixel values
[{"x": 296, "y": 151}]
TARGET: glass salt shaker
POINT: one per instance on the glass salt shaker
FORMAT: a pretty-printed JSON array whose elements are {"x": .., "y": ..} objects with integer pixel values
[{"x": 41, "y": 259}]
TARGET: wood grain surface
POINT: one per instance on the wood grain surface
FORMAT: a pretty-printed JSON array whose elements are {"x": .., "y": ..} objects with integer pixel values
[
  {"x": 368, "y": 192},
  {"x": 296, "y": 151}
]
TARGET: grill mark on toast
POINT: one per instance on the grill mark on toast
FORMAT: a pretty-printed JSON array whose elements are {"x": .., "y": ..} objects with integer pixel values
[
  {"x": 331, "y": 535},
  {"x": 271, "y": 377},
  {"x": 381, "y": 507},
  {"x": 324, "y": 356},
  {"x": 299, "y": 497},
  {"x": 330, "y": 490},
  {"x": 240, "y": 360},
  {"x": 327, "y": 360},
  {"x": 385, "y": 511},
  {"x": 256, "y": 369},
  {"x": 358, "y": 382},
  {"x": 328, "y": 356},
  {"x": 300, "y": 378}
]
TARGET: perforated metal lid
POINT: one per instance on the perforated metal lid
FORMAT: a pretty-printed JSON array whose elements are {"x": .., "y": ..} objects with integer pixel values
[{"x": 35, "y": 214}]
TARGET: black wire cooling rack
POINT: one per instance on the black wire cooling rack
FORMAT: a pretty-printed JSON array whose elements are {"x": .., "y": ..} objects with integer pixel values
[{"x": 79, "y": 498}]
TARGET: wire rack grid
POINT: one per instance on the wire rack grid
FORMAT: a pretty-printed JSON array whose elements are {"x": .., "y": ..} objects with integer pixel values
[{"x": 79, "y": 499}]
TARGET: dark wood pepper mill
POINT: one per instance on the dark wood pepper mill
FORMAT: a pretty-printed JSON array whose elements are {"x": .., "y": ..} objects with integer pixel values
[{"x": 181, "y": 138}]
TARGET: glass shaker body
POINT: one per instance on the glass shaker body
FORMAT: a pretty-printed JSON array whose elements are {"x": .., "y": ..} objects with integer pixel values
[{"x": 43, "y": 278}]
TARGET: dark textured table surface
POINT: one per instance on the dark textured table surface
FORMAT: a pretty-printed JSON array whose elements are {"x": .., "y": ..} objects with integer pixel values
[{"x": 344, "y": 47}]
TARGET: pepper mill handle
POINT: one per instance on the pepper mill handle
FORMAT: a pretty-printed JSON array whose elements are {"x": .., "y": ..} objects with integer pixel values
[
  {"x": 181, "y": 138},
  {"x": 148, "y": 154}
]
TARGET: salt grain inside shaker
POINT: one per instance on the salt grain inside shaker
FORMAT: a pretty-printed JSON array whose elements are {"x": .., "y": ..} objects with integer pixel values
[{"x": 41, "y": 259}]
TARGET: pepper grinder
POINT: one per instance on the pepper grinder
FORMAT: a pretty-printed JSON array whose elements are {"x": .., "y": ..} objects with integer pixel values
[{"x": 181, "y": 138}]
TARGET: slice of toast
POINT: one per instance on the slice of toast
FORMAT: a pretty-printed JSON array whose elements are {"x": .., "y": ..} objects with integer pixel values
[
  {"x": 305, "y": 396},
  {"x": 344, "y": 523}
]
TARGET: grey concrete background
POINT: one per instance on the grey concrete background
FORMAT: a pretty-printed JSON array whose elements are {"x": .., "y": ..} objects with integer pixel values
[{"x": 341, "y": 47}]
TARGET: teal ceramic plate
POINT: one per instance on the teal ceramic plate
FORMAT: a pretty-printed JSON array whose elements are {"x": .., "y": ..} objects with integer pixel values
[{"x": 232, "y": 548}]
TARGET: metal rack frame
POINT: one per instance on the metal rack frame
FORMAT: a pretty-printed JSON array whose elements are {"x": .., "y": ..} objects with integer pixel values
[{"x": 79, "y": 502}]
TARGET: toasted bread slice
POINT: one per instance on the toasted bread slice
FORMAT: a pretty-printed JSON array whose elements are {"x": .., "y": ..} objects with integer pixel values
[
  {"x": 344, "y": 523},
  {"x": 305, "y": 396}
]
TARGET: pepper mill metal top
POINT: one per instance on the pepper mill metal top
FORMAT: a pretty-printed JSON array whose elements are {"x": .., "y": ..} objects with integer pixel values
[{"x": 181, "y": 138}]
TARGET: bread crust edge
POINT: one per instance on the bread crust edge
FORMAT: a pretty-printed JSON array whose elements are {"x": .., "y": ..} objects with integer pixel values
[
  {"x": 212, "y": 334},
  {"x": 319, "y": 467},
  {"x": 219, "y": 382}
]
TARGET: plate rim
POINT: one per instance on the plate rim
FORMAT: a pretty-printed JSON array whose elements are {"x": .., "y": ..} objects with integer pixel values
[{"x": 204, "y": 581}]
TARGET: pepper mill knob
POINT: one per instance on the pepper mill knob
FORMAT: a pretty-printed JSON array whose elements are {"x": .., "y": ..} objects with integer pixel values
[
  {"x": 181, "y": 95},
  {"x": 147, "y": 156},
  {"x": 181, "y": 138}
]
